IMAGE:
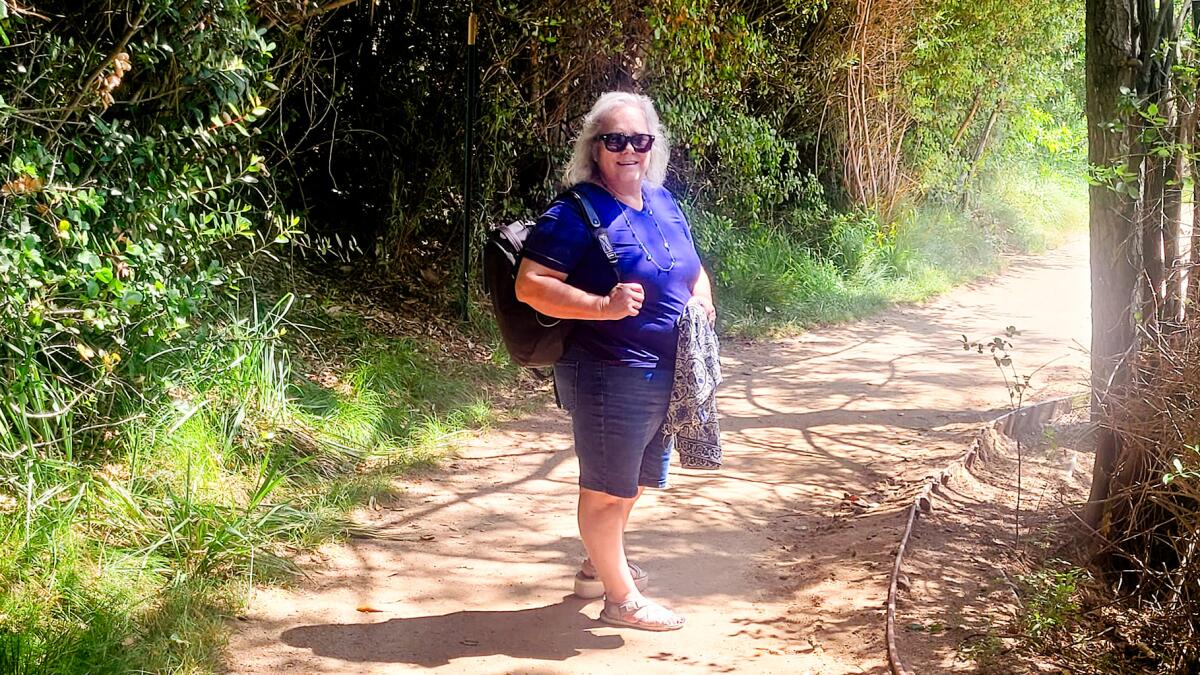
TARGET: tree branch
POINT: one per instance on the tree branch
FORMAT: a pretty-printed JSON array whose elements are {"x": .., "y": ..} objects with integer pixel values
[{"x": 112, "y": 55}]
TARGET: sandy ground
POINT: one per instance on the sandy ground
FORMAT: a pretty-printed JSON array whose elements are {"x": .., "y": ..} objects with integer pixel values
[{"x": 776, "y": 571}]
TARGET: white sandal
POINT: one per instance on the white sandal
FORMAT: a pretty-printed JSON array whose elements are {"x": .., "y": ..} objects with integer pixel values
[
  {"x": 589, "y": 586},
  {"x": 640, "y": 613}
]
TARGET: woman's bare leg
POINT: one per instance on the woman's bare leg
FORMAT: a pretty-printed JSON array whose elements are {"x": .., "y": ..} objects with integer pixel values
[
  {"x": 628, "y": 508},
  {"x": 602, "y": 520}
]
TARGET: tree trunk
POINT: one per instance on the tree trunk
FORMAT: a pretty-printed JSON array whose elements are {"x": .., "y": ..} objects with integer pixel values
[
  {"x": 1159, "y": 153},
  {"x": 1186, "y": 227},
  {"x": 1192, "y": 288},
  {"x": 1108, "y": 28},
  {"x": 962, "y": 128},
  {"x": 1173, "y": 223},
  {"x": 969, "y": 174},
  {"x": 987, "y": 135},
  {"x": 1151, "y": 214},
  {"x": 1191, "y": 283}
]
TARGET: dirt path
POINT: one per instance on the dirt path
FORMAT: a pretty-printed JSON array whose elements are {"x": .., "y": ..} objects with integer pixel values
[{"x": 775, "y": 571}]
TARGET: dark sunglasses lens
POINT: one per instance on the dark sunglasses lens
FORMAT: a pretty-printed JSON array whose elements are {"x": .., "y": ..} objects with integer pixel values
[
  {"x": 617, "y": 142},
  {"x": 613, "y": 142}
]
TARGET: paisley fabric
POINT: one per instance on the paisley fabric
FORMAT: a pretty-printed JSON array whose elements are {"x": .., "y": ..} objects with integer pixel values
[{"x": 692, "y": 411}]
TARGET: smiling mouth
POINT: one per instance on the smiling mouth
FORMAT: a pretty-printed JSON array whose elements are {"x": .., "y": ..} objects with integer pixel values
[{"x": 634, "y": 163}]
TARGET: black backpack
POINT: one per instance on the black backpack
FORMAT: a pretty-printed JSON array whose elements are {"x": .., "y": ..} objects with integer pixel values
[{"x": 533, "y": 339}]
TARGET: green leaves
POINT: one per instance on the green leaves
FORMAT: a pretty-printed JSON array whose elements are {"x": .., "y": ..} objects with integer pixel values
[
  {"x": 1182, "y": 470},
  {"x": 88, "y": 259},
  {"x": 116, "y": 229}
]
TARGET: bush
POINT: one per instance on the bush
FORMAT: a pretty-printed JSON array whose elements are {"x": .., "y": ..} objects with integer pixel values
[{"x": 130, "y": 198}]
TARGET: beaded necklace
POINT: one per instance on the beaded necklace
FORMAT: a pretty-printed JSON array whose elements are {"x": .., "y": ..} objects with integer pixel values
[{"x": 645, "y": 250}]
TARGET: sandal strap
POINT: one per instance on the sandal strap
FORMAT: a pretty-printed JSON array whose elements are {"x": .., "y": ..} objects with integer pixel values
[
  {"x": 642, "y": 611},
  {"x": 634, "y": 570}
]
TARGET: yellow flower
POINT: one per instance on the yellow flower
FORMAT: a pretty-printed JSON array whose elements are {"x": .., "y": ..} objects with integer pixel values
[{"x": 109, "y": 360}]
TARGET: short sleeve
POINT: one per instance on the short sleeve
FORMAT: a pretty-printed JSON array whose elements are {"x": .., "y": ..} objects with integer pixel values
[
  {"x": 668, "y": 198},
  {"x": 558, "y": 240}
]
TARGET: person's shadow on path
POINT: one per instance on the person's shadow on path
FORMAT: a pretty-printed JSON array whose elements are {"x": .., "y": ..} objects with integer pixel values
[{"x": 552, "y": 633}]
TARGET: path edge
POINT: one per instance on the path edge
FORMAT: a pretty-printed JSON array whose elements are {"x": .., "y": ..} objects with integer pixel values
[{"x": 987, "y": 438}]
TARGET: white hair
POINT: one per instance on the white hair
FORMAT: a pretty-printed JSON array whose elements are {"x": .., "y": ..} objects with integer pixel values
[{"x": 583, "y": 167}]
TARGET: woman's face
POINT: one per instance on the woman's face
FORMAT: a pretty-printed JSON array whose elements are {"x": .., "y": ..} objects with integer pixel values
[{"x": 626, "y": 167}]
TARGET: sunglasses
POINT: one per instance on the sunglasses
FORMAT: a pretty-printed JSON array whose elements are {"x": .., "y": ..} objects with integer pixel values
[{"x": 616, "y": 142}]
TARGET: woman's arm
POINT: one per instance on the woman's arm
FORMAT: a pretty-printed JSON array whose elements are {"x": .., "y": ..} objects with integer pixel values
[
  {"x": 547, "y": 291},
  {"x": 702, "y": 293}
]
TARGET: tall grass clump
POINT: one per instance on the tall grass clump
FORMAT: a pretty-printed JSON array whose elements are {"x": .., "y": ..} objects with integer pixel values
[
  {"x": 1035, "y": 208},
  {"x": 129, "y": 561}
]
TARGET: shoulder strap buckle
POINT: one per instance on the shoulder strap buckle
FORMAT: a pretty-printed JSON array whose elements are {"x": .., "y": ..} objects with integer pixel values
[{"x": 601, "y": 232}]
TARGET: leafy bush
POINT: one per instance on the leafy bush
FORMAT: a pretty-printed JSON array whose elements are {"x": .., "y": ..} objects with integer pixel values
[
  {"x": 132, "y": 191},
  {"x": 733, "y": 162},
  {"x": 850, "y": 241}
]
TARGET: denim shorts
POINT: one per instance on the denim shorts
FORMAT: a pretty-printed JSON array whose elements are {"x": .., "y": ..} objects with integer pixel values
[{"x": 617, "y": 414}]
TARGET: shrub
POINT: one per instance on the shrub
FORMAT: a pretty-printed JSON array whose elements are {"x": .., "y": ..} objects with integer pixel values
[{"x": 132, "y": 191}]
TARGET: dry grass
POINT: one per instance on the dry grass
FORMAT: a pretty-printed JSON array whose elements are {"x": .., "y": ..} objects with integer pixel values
[{"x": 1152, "y": 526}]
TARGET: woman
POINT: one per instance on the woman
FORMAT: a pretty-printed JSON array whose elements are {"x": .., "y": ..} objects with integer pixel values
[{"x": 616, "y": 373}]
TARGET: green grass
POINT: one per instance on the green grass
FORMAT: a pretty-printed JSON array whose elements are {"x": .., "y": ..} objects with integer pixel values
[
  {"x": 769, "y": 282},
  {"x": 133, "y": 559}
]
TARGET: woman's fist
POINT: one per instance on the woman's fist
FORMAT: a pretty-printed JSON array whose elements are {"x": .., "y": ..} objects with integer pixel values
[{"x": 622, "y": 301}]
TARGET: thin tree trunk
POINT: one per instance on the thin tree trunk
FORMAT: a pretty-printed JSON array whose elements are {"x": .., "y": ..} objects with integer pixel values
[
  {"x": 1173, "y": 223},
  {"x": 1109, "y": 40},
  {"x": 1151, "y": 214},
  {"x": 1186, "y": 252},
  {"x": 966, "y": 123},
  {"x": 1192, "y": 262},
  {"x": 1192, "y": 278},
  {"x": 987, "y": 135},
  {"x": 969, "y": 175},
  {"x": 1191, "y": 284}
]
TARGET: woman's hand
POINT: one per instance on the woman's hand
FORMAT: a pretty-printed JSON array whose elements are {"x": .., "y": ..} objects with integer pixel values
[
  {"x": 623, "y": 300},
  {"x": 706, "y": 303},
  {"x": 702, "y": 295}
]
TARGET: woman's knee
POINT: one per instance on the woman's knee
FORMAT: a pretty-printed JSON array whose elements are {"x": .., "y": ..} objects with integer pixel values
[{"x": 594, "y": 500}]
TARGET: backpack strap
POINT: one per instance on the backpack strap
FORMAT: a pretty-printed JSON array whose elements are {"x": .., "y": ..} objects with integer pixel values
[{"x": 600, "y": 232}]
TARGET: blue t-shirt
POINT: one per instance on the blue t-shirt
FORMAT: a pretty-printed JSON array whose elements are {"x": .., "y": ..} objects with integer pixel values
[{"x": 564, "y": 242}]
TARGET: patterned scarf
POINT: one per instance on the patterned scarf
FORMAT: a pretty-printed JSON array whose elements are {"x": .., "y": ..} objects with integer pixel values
[{"x": 692, "y": 412}]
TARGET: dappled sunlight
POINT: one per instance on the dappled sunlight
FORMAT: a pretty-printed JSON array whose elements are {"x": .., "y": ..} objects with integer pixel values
[{"x": 770, "y": 558}]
